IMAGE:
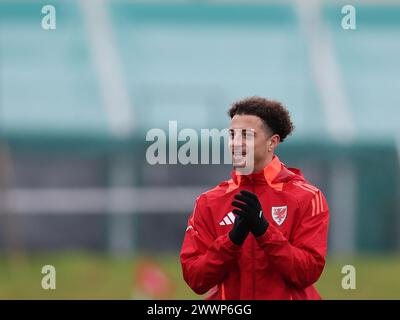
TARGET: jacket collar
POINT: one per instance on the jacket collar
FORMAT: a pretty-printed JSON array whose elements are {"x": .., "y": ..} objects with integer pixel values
[{"x": 265, "y": 176}]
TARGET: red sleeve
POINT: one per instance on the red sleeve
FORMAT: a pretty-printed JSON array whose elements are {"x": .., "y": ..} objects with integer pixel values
[
  {"x": 302, "y": 261},
  {"x": 205, "y": 258}
]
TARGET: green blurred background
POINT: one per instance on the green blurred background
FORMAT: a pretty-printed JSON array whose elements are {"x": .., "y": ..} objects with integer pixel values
[
  {"x": 88, "y": 275},
  {"x": 76, "y": 102}
]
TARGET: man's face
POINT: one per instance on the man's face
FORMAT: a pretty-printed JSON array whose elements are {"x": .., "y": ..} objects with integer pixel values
[{"x": 247, "y": 138}]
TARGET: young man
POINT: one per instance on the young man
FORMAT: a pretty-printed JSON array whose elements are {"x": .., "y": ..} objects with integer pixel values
[{"x": 261, "y": 235}]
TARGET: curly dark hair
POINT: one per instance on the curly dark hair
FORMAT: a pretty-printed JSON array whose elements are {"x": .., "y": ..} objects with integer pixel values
[{"x": 274, "y": 115}]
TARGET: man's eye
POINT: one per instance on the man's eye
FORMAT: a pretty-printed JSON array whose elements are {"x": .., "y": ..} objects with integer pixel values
[{"x": 249, "y": 135}]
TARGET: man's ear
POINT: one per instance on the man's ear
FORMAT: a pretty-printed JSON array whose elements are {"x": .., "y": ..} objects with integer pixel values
[{"x": 273, "y": 142}]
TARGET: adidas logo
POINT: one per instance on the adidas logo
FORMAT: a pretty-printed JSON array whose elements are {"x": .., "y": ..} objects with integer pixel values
[{"x": 228, "y": 219}]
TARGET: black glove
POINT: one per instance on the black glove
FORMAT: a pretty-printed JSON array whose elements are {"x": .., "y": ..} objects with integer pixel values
[
  {"x": 250, "y": 209},
  {"x": 239, "y": 231}
]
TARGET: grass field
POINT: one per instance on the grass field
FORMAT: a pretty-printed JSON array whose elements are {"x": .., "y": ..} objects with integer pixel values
[{"x": 96, "y": 276}]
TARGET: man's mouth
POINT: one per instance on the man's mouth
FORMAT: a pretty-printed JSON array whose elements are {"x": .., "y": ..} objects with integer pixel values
[
  {"x": 239, "y": 154},
  {"x": 239, "y": 157}
]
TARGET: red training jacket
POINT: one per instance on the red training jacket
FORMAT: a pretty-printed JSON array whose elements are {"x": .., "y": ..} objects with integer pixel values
[{"x": 283, "y": 263}]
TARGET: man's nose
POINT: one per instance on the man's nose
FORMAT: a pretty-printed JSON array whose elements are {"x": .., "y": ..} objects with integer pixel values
[{"x": 238, "y": 147}]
